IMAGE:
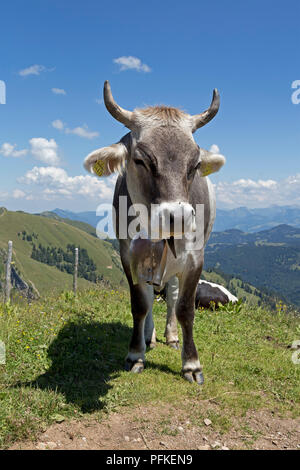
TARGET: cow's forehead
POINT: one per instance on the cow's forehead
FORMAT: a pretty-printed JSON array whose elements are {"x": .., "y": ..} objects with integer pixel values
[{"x": 166, "y": 139}]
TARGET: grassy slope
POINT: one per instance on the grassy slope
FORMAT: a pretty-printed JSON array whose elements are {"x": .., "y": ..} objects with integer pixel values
[
  {"x": 59, "y": 234},
  {"x": 81, "y": 225},
  {"x": 65, "y": 356}
]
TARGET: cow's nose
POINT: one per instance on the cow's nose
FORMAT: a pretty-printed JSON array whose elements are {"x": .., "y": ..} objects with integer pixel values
[{"x": 174, "y": 219}]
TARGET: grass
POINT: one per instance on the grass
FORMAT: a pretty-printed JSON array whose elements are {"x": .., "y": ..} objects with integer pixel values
[{"x": 65, "y": 359}]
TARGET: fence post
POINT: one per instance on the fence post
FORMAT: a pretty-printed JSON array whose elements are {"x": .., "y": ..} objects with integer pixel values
[
  {"x": 75, "y": 271},
  {"x": 8, "y": 272}
]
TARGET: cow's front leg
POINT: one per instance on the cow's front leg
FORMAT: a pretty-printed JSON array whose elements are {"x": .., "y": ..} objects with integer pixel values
[
  {"x": 171, "y": 332},
  {"x": 185, "y": 311},
  {"x": 140, "y": 306}
]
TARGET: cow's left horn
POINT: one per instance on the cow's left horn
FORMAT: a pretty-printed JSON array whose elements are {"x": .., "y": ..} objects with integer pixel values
[
  {"x": 200, "y": 120},
  {"x": 114, "y": 109}
]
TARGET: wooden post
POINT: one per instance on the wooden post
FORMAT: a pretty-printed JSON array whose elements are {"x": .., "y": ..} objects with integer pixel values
[
  {"x": 8, "y": 272},
  {"x": 75, "y": 271}
]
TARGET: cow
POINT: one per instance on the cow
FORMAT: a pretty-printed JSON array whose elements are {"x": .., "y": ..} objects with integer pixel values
[
  {"x": 160, "y": 166},
  {"x": 208, "y": 295}
]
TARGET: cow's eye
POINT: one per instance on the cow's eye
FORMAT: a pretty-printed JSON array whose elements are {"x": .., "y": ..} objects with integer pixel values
[{"x": 140, "y": 162}]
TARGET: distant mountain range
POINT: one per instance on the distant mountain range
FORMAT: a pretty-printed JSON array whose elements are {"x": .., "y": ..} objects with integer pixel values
[
  {"x": 269, "y": 259},
  {"x": 255, "y": 220},
  {"x": 89, "y": 217},
  {"x": 242, "y": 218}
]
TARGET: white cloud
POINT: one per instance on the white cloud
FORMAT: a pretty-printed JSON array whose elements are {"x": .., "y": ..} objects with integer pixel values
[
  {"x": 58, "y": 124},
  {"x": 214, "y": 149},
  {"x": 260, "y": 193},
  {"x": 99, "y": 101},
  {"x": 56, "y": 182},
  {"x": 80, "y": 131},
  {"x": 131, "y": 63},
  {"x": 45, "y": 150},
  {"x": 9, "y": 150},
  {"x": 18, "y": 194},
  {"x": 34, "y": 70},
  {"x": 58, "y": 91}
]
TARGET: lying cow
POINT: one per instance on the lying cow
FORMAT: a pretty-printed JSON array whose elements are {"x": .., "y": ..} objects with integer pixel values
[
  {"x": 160, "y": 164},
  {"x": 208, "y": 295}
]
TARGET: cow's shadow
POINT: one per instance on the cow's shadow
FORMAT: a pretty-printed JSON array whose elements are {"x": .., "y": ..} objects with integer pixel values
[{"x": 84, "y": 359}]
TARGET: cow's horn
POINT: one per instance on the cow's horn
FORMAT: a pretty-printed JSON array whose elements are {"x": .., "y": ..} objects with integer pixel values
[
  {"x": 200, "y": 120},
  {"x": 114, "y": 109}
]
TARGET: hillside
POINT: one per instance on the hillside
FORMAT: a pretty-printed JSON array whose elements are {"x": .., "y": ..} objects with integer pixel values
[
  {"x": 269, "y": 259},
  {"x": 76, "y": 223},
  {"x": 54, "y": 234},
  {"x": 243, "y": 290}
]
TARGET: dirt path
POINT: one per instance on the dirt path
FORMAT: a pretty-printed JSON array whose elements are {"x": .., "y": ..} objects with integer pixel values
[{"x": 168, "y": 428}]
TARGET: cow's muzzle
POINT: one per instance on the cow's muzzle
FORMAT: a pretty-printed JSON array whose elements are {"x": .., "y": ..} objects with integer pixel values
[{"x": 172, "y": 219}]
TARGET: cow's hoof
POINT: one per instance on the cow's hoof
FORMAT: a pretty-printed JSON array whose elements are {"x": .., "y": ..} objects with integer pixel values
[
  {"x": 196, "y": 376},
  {"x": 173, "y": 344},
  {"x": 135, "y": 367},
  {"x": 151, "y": 345}
]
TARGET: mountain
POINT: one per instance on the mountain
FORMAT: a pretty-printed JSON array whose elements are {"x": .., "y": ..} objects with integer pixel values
[
  {"x": 269, "y": 259},
  {"x": 43, "y": 252},
  {"x": 89, "y": 217},
  {"x": 242, "y": 218},
  {"x": 281, "y": 235},
  {"x": 254, "y": 220}
]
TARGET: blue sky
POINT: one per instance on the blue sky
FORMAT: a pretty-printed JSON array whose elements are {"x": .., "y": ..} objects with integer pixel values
[{"x": 55, "y": 56}]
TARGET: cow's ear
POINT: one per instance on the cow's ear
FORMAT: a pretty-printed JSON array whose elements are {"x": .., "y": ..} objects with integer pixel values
[
  {"x": 210, "y": 162},
  {"x": 108, "y": 160}
]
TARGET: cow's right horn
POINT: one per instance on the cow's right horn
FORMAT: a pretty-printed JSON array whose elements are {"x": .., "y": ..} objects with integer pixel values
[{"x": 114, "y": 109}]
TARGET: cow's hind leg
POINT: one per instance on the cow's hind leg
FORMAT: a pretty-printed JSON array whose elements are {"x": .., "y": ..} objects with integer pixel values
[
  {"x": 140, "y": 306},
  {"x": 171, "y": 332}
]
